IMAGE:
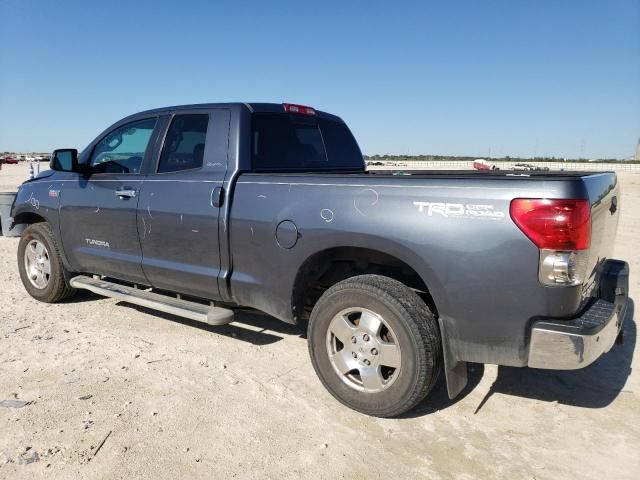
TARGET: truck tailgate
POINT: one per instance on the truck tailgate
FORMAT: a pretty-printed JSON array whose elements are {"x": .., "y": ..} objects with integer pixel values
[{"x": 604, "y": 194}]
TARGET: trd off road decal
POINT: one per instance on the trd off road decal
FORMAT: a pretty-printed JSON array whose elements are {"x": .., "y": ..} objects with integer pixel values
[{"x": 474, "y": 211}]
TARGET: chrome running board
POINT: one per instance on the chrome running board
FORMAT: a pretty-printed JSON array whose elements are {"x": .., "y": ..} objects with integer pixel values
[{"x": 176, "y": 306}]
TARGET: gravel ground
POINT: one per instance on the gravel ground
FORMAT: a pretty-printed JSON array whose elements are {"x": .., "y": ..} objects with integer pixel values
[{"x": 116, "y": 391}]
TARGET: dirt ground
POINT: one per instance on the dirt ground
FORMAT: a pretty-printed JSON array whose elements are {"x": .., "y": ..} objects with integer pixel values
[{"x": 117, "y": 391}]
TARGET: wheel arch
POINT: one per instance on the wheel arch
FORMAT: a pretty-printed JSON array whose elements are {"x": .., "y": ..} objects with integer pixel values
[
  {"x": 28, "y": 218},
  {"x": 325, "y": 268},
  {"x": 22, "y": 220}
]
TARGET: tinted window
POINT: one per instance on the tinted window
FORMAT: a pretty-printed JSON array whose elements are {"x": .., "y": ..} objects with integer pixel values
[
  {"x": 123, "y": 149},
  {"x": 340, "y": 144},
  {"x": 296, "y": 142},
  {"x": 184, "y": 144}
]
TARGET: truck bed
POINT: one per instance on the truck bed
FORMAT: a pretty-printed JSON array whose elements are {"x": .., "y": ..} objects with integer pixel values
[
  {"x": 446, "y": 174},
  {"x": 493, "y": 174}
]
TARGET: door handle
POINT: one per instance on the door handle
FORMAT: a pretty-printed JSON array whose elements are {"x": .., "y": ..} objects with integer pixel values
[
  {"x": 126, "y": 193},
  {"x": 217, "y": 197}
]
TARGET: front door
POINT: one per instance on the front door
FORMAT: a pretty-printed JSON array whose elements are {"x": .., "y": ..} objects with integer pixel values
[{"x": 98, "y": 213}]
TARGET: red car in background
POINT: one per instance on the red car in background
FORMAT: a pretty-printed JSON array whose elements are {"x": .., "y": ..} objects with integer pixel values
[
  {"x": 481, "y": 164},
  {"x": 10, "y": 160}
]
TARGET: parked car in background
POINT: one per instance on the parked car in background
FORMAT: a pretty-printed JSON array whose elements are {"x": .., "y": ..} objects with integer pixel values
[
  {"x": 527, "y": 167},
  {"x": 481, "y": 164},
  {"x": 10, "y": 160}
]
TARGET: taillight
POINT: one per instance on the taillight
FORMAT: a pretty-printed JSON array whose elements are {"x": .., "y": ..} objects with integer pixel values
[
  {"x": 554, "y": 224},
  {"x": 301, "y": 109},
  {"x": 561, "y": 229}
]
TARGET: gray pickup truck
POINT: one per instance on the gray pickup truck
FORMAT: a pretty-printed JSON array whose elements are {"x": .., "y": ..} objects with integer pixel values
[{"x": 197, "y": 210}]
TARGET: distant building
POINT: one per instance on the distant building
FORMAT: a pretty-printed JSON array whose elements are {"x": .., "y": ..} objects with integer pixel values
[{"x": 638, "y": 150}]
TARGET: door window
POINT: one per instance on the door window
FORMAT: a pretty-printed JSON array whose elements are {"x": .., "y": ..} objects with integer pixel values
[
  {"x": 123, "y": 149},
  {"x": 184, "y": 144}
]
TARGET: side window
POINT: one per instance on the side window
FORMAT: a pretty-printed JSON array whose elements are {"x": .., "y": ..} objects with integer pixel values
[
  {"x": 123, "y": 149},
  {"x": 184, "y": 145}
]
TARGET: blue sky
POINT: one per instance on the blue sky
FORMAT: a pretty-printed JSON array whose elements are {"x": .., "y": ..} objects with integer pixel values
[{"x": 510, "y": 77}]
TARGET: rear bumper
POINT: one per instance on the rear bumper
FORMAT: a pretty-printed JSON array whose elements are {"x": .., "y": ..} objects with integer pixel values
[{"x": 573, "y": 344}]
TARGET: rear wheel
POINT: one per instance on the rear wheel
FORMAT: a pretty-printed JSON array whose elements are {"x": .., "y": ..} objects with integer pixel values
[
  {"x": 40, "y": 265},
  {"x": 375, "y": 345}
]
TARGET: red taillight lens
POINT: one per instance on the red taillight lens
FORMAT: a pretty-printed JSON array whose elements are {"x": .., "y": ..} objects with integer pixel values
[
  {"x": 302, "y": 109},
  {"x": 552, "y": 223}
]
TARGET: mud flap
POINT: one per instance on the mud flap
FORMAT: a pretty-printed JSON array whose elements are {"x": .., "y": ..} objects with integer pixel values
[{"x": 456, "y": 372}]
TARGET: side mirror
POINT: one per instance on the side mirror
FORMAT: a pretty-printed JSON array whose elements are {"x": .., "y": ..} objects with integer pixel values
[{"x": 64, "y": 160}]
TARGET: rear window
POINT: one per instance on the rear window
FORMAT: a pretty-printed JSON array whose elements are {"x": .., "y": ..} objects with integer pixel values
[{"x": 298, "y": 142}]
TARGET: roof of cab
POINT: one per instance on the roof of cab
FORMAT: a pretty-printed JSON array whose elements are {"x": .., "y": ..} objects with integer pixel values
[{"x": 252, "y": 107}]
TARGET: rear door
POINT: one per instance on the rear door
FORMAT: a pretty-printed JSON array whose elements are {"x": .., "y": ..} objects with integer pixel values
[
  {"x": 178, "y": 210},
  {"x": 98, "y": 210}
]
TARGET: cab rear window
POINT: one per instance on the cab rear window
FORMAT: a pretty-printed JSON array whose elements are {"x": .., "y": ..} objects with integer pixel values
[{"x": 296, "y": 142}]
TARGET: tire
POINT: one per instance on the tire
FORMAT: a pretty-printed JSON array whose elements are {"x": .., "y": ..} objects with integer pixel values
[
  {"x": 51, "y": 287},
  {"x": 407, "y": 323}
]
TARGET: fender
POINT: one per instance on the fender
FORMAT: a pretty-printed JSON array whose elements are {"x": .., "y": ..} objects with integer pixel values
[{"x": 39, "y": 200}]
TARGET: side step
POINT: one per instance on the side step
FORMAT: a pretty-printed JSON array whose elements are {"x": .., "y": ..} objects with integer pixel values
[{"x": 155, "y": 301}]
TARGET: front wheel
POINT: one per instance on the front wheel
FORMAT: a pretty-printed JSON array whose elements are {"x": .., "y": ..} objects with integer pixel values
[
  {"x": 40, "y": 265},
  {"x": 375, "y": 345}
]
